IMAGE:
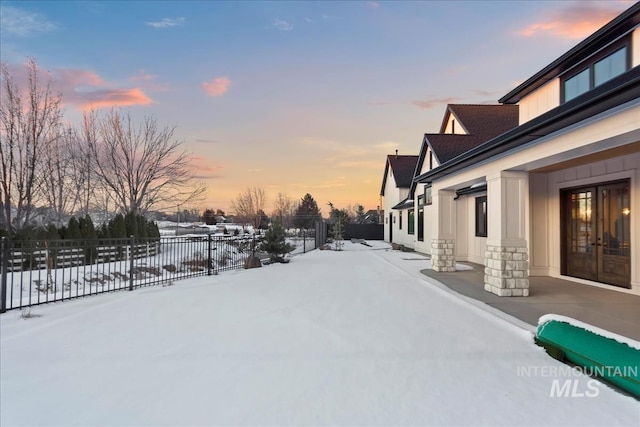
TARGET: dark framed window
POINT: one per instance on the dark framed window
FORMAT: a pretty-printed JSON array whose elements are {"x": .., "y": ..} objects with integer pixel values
[
  {"x": 481, "y": 216},
  {"x": 411, "y": 220},
  {"x": 577, "y": 85},
  {"x": 597, "y": 70},
  {"x": 400, "y": 220},
  {"x": 428, "y": 198}
]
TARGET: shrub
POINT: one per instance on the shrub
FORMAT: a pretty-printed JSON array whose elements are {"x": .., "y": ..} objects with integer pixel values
[{"x": 274, "y": 242}]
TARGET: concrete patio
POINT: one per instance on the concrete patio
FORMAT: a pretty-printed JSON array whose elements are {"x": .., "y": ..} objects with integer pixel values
[{"x": 618, "y": 312}]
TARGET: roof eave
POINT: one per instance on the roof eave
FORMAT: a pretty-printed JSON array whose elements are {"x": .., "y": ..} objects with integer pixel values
[
  {"x": 615, "y": 92},
  {"x": 615, "y": 28}
]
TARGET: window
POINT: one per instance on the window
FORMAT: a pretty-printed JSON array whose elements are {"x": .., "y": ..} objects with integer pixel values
[
  {"x": 428, "y": 199},
  {"x": 481, "y": 216},
  {"x": 400, "y": 221},
  {"x": 421, "y": 225},
  {"x": 610, "y": 67},
  {"x": 430, "y": 159},
  {"x": 596, "y": 71},
  {"x": 411, "y": 225},
  {"x": 577, "y": 85}
]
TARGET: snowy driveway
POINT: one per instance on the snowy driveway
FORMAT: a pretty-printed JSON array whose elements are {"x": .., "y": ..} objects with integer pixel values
[{"x": 357, "y": 337}]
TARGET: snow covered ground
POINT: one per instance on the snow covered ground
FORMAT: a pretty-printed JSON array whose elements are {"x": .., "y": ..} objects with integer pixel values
[{"x": 356, "y": 337}]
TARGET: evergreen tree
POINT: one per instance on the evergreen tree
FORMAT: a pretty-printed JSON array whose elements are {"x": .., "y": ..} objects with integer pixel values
[
  {"x": 131, "y": 224},
  {"x": 307, "y": 213},
  {"x": 88, "y": 234},
  {"x": 103, "y": 233},
  {"x": 87, "y": 230},
  {"x": 50, "y": 233},
  {"x": 141, "y": 226},
  {"x": 73, "y": 229},
  {"x": 274, "y": 242},
  {"x": 209, "y": 217},
  {"x": 117, "y": 228},
  {"x": 152, "y": 230}
]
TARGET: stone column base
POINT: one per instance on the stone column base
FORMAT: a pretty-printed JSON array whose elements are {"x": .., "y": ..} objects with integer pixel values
[
  {"x": 442, "y": 255},
  {"x": 506, "y": 271}
]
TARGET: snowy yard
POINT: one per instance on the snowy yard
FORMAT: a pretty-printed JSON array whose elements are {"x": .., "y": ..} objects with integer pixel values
[{"x": 357, "y": 337}]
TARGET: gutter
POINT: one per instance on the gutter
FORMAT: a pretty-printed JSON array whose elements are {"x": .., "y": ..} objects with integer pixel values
[{"x": 616, "y": 91}]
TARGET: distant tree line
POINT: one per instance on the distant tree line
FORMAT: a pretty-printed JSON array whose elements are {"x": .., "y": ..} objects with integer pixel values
[{"x": 82, "y": 228}]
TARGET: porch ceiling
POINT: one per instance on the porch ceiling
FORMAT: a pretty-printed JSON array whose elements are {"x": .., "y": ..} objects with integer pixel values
[{"x": 591, "y": 158}]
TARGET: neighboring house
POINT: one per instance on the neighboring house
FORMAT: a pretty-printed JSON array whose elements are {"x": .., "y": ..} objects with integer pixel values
[
  {"x": 398, "y": 175},
  {"x": 463, "y": 128},
  {"x": 374, "y": 216},
  {"x": 558, "y": 195}
]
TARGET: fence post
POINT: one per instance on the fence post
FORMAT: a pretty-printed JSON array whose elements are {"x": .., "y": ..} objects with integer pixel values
[
  {"x": 131, "y": 257},
  {"x": 4, "y": 267},
  {"x": 209, "y": 260}
]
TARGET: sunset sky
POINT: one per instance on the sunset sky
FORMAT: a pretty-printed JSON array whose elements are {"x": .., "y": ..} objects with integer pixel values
[{"x": 293, "y": 97}]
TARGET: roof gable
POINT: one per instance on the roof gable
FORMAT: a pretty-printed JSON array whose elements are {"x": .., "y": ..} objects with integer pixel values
[
  {"x": 482, "y": 119},
  {"x": 482, "y": 122},
  {"x": 402, "y": 167}
]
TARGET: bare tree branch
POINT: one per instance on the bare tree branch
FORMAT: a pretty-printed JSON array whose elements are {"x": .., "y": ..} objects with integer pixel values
[
  {"x": 140, "y": 166},
  {"x": 248, "y": 205},
  {"x": 30, "y": 122}
]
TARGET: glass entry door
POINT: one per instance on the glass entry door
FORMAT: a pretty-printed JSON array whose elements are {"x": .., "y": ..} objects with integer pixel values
[{"x": 596, "y": 244}]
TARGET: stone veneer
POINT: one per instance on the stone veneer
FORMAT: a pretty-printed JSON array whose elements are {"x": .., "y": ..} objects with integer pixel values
[
  {"x": 506, "y": 271},
  {"x": 442, "y": 257}
]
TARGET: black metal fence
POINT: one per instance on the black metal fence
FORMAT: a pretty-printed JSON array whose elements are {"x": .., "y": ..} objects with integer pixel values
[{"x": 39, "y": 272}]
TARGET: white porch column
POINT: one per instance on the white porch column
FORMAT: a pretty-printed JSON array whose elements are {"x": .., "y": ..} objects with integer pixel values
[
  {"x": 506, "y": 259},
  {"x": 444, "y": 223}
]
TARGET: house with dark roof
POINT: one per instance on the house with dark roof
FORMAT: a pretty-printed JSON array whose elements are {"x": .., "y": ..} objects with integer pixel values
[
  {"x": 557, "y": 195},
  {"x": 396, "y": 181},
  {"x": 464, "y": 127}
]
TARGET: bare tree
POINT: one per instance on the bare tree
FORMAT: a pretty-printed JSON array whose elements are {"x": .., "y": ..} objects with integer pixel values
[
  {"x": 83, "y": 163},
  {"x": 247, "y": 206},
  {"x": 30, "y": 121},
  {"x": 284, "y": 208},
  {"x": 59, "y": 186},
  {"x": 140, "y": 166}
]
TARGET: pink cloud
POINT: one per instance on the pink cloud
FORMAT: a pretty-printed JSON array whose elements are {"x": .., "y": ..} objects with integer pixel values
[
  {"x": 434, "y": 102},
  {"x": 72, "y": 78},
  {"x": 109, "y": 98},
  {"x": 216, "y": 87},
  {"x": 86, "y": 89},
  {"x": 204, "y": 168},
  {"x": 373, "y": 4},
  {"x": 576, "y": 21}
]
